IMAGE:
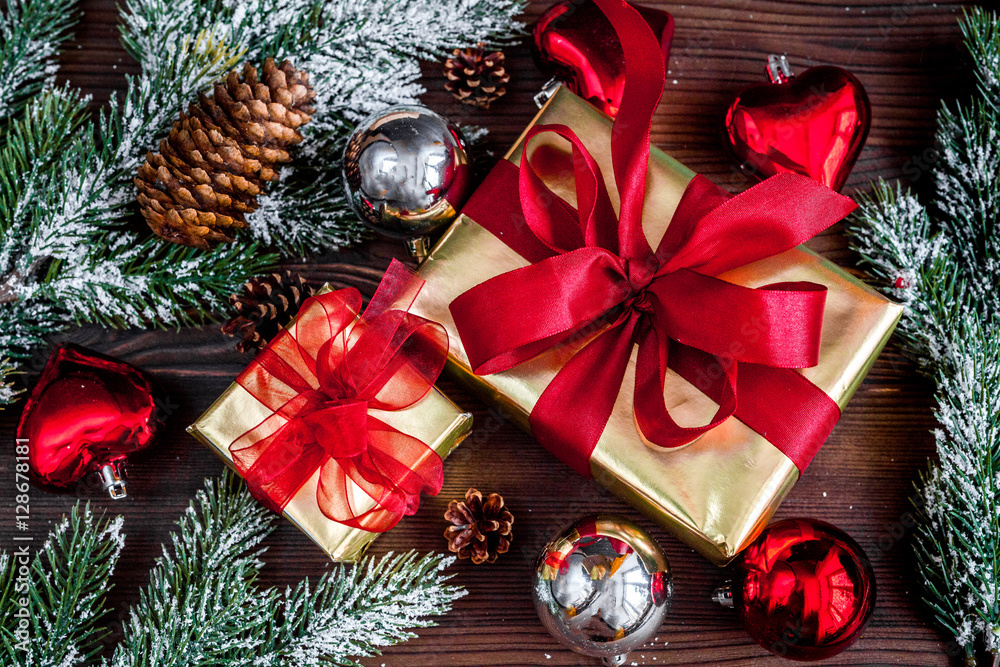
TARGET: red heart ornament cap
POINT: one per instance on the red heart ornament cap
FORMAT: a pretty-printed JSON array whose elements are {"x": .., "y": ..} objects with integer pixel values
[
  {"x": 814, "y": 124},
  {"x": 87, "y": 413}
]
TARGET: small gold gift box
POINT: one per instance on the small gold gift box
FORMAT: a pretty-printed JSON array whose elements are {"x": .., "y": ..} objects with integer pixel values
[{"x": 434, "y": 419}]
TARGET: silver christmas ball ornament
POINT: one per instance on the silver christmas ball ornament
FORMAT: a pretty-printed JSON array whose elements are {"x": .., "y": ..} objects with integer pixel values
[
  {"x": 603, "y": 587},
  {"x": 406, "y": 173}
]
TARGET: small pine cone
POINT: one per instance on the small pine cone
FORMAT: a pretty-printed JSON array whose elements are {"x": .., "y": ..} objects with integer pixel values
[
  {"x": 481, "y": 529},
  {"x": 264, "y": 307},
  {"x": 212, "y": 166},
  {"x": 476, "y": 76}
]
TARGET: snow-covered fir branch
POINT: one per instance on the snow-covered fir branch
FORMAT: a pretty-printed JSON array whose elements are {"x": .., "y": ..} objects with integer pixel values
[
  {"x": 943, "y": 261},
  {"x": 355, "y": 611},
  {"x": 31, "y": 35},
  {"x": 958, "y": 545},
  {"x": 67, "y": 252},
  {"x": 202, "y": 606},
  {"x": 201, "y": 603},
  {"x": 71, "y": 249},
  {"x": 113, "y": 274},
  {"x": 67, "y": 249},
  {"x": 66, "y": 587}
]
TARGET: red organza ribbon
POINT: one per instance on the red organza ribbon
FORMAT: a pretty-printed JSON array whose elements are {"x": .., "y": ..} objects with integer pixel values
[
  {"x": 594, "y": 271},
  {"x": 320, "y": 380}
]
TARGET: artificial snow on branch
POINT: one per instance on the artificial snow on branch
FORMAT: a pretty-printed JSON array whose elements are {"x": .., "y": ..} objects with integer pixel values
[
  {"x": 943, "y": 261},
  {"x": 202, "y": 605},
  {"x": 71, "y": 248},
  {"x": 31, "y": 35},
  {"x": 64, "y": 585}
]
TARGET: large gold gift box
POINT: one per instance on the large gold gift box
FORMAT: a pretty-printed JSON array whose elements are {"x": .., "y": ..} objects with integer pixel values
[
  {"x": 716, "y": 493},
  {"x": 434, "y": 419}
]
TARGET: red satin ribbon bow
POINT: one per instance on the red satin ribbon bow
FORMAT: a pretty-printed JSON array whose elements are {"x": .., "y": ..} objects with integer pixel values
[
  {"x": 320, "y": 380},
  {"x": 592, "y": 270}
]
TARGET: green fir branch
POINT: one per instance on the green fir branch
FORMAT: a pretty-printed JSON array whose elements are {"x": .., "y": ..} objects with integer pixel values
[
  {"x": 45, "y": 162},
  {"x": 203, "y": 608},
  {"x": 10, "y": 593},
  {"x": 201, "y": 604},
  {"x": 65, "y": 588},
  {"x": 942, "y": 261},
  {"x": 67, "y": 245},
  {"x": 71, "y": 247},
  {"x": 355, "y": 611},
  {"x": 967, "y": 189},
  {"x": 982, "y": 38},
  {"x": 24, "y": 326},
  {"x": 32, "y": 33}
]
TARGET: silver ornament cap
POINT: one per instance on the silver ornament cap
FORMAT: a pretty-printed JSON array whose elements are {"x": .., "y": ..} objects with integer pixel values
[
  {"x": 603, "y": 587},
  {"x": 112, "y": 477},
  {"x": 406, "y": 173}
]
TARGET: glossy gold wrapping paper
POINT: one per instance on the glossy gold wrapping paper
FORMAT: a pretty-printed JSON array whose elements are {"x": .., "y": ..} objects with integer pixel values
[
  {"x": 716, "y": 493},
  {"x": 434, "y": 419}
]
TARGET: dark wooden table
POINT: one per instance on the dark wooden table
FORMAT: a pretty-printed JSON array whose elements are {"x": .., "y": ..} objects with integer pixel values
[{"x": 908, "y": 56}]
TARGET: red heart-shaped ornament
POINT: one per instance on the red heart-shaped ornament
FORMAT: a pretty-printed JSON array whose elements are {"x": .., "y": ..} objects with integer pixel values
[
  {"x": 813, "y": 124},
  {"x": 87, "y": 413},
  {"x": 576, "y": 43}
]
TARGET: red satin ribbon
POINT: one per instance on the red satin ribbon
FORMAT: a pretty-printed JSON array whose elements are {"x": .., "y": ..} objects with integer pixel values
[
  {"x": 593, "y": 272},
  {"x": 320, "y": 380}
]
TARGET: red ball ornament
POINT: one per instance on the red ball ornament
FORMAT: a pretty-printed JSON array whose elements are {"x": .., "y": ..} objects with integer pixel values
[
  {"x": 87, "y": 413},
  {"x": 803, "y": 590},
  {"x": 575, "y": 43},
  {"x": 814, "y": 124}
]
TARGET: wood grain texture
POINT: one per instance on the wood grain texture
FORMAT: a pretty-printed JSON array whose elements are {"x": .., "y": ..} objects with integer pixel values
[{"x": 908, "y": 56}]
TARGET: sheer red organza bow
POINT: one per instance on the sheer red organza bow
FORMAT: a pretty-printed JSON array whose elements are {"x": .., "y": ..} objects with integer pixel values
[
  {"x": 320, "y": 379},
  {"x": 594, "y": 270}
]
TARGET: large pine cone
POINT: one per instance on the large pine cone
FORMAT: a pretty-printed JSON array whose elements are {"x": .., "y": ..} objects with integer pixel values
[
  {"x": 265, "y": 306},
  {"x": 197, "y": 190},
  {"x": 480, "y": 529},
  {"x": 476, "y": 76}
]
